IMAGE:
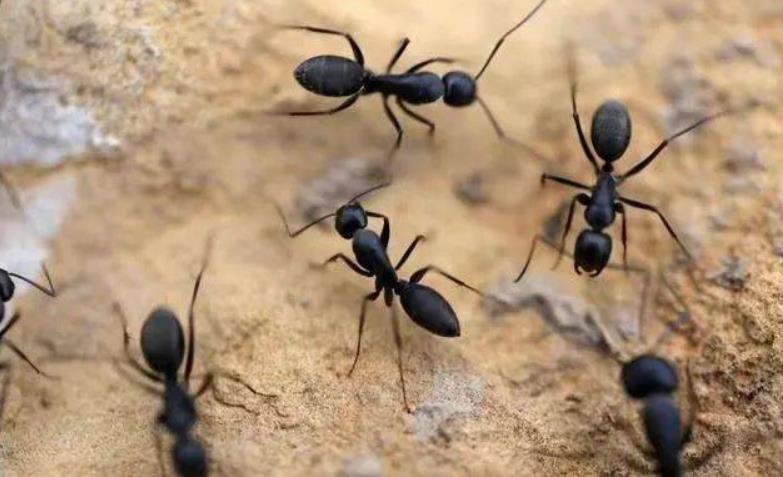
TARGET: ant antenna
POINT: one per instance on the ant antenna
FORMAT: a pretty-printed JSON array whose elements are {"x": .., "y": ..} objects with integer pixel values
[
  {"x": 503, "y": 38},
  {"x": 50, "y": 291},
  {"x": 191, "y": 315},
  {"x": 331, "y": 214}
]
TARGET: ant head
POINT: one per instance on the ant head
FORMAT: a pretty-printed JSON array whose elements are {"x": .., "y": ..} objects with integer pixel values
[
  {"x": 648, "y": 374},
  {"x": 162, "y": 341},
  {"x": 7, "y": 286},
  {"x": 189, "y": 458},
  {"x": 350, "y": 218},
  {"x": 611, "y": 130},
  {"x": 460, "y": 89},
  {"x": 592, "y": 252}
]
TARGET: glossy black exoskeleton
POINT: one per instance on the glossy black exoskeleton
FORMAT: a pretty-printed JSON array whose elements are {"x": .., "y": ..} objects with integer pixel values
[
  {"x": 348, "y": 218},
  {"x": 164, "y": 348},
  {"x": 424, "y": 305},
  {"x": 610, "y": 136},
  {"x": 336, "y": 76}
]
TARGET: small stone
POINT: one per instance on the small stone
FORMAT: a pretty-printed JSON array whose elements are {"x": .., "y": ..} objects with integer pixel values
[{"x": 363, "y": 466}]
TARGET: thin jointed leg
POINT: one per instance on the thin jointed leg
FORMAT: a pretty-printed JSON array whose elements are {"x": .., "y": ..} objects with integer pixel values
[
  {"x": 126, "y": 346},
  {"x": 425, "y": 63},
  {"x": 405, "y": 109},
  {"x": 583, "y": 199},
  {"x": 563, "y": 180},
  {"x": 344, "y": 105},
  {"x": 192, "y": 315},
  {"x": 419, "y": 275},
  {"x": 357, "y": 52},
  {"x": 575, "y": 113},
  {"x": 397, "y": 54},
  {"x": 367, "y": 299},
  {"x": 354, "y": 266},
  {"x": 386, "y": 230},
  {"x": 409, "y": 251},
  {"x": 621, "y": 210},
  {"x": 398, "y": 343},
  {"x": 649, "y": 159},
  {"x": 650, "y": 208},
  {"x": 395, "y": 123}
]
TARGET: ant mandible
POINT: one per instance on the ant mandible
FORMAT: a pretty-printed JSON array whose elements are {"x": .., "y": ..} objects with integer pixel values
[
  {"x": 336, "y": 76},
  {"x": 610, "y": 136}
]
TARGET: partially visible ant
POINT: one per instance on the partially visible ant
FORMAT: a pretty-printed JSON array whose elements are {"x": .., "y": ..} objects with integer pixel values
[
  {"x": 163, "y": 346},
  {"x": 7, "y": 289},
  {"x": 425, "y": 306},
  {"x": 348, "y": 218},
  {"x": 653, "y": 379},
  {"x": 610, "y": 135},
  {"x": 337, "y": 76}
]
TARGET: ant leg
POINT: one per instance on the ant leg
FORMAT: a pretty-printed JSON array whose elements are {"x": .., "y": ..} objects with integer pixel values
[
  {"x": 354, "y": 266},
  {"x": 505, "y": 35},
  {"x": 21, "y": 354},
  {"x": 649, "y": 159},
  {"x": 344, "y": 105},
  {"x": 563, "y": 180},
  {"x": 49, "y": 291},
  {"x": 650, "y": 208},
  {"x": 386, "y": 231},
  {"x": 425, "y": 63},
  {"x": 192, "y": 315},
  {"x": 583, "y": 199},
  {"x": 405, "y": 109},
  {"x": 409, "y": 251},
  {"x": 418, "y": 275},
  {"x": 367, "y": 299},
  {"x": 357, "y": 52},
  {"x": 621, "y": 210},
  {"x": 571, "y": 65},
  {"x": 13, "y": 194},
  {"x": 395, "y": 123},
  {"x": 206, "y": 384},
  {"x": 126, "y": 346},
  {"x": 533, "y": 246},
  {"x": 397, "y": 54},
  {"x": 398, "y": 343}
]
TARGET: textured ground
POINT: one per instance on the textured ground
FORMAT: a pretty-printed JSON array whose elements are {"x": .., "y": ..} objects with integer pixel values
[{"x": 136, "y": 126}]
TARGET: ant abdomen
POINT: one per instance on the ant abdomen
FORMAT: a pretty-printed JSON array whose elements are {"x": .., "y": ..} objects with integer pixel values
[
  {"x": 611, "y": 130},
  {"x": 460, "y": 89},
  {"x": 428, "y": 309},
  {"x": 162, "y": 341},
  {"x": 647, "y": 374},
  {"x": 190, "y": 458},
  {"x": 330, "y": 75},
  {"x": 662, "y": 426}
]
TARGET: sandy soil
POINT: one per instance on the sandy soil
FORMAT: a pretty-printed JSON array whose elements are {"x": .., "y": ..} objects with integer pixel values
[{"x": 173, "y": 146}]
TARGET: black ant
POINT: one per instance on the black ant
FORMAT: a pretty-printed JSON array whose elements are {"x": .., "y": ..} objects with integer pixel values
[
  {"x": 7, "y": 289},
  {"x": 610, "y": 135},
  {"x": 348, "y": 218},
  {"x": 336, "y": 76},
  {"x": 653, "y": 379},
  {"x": 163, "y": 346},
  {"x": 425, "y": 306}
]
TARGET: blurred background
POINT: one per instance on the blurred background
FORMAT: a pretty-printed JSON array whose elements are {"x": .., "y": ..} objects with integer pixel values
[{"x": 135, "y": 128}]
